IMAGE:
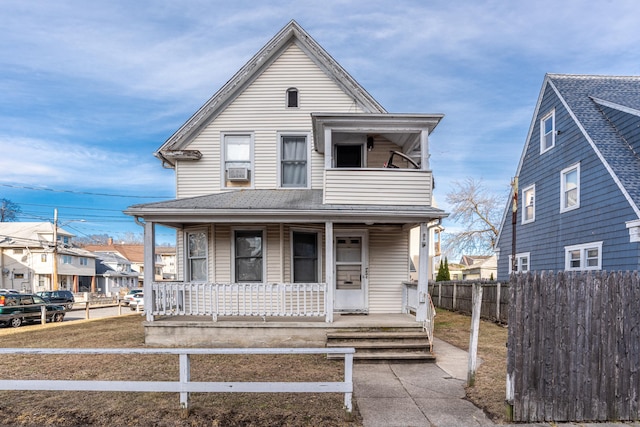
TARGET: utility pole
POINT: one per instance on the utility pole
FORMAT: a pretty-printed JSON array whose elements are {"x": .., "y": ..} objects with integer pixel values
[
  {"x": 514, "y": 220},
  {"x": 54, "y": 276}
]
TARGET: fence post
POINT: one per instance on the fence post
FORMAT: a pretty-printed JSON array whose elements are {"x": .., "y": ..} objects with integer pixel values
[
  {"x": 43, "y": 314},
  {"x": 440, "y": 294},
  {"x": 86, "y": 309},
  {"x": 475, "y": 328},
  {"x": 185, "y": 377},
  {"x": 455, "y": 294},
  {"x": 348, "y": 378},
  {"x": 498, "y": 302}
]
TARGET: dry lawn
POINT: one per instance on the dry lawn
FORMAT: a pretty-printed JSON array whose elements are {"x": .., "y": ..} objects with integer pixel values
[
  {"x": 488, "y": 392},
  {"x": 35, "y": 408},
  {"x": 207, "y": 409}
]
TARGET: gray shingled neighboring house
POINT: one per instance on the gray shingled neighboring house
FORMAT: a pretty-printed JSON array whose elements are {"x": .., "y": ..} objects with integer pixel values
[{"x": 579, "y": 179}]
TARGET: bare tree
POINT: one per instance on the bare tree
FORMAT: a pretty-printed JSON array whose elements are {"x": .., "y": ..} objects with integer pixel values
[
  {"x": 8, "y": 210},
  {"x": 478, "y": 214}
]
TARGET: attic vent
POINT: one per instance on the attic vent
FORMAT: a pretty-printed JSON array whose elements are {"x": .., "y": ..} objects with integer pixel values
[{"x": 238, "y": 174}]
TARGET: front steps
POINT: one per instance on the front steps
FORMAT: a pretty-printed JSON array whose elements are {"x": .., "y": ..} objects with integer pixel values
[{"x": 383, "y": 345}]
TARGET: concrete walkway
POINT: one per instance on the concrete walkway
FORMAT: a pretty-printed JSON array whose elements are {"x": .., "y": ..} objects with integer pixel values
[{"x": 417, "y": 394}]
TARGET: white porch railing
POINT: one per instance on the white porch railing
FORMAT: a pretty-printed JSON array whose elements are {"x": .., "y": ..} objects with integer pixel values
[
  {"x": 410, "y": 303},
  {"x": 238, "y": 299}
]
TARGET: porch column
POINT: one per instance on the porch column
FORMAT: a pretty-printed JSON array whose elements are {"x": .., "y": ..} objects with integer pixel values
[
  {"x": 93, "y": 284},
  {"x": 149, "y": 266},
  {"x": 423, "y": 273},
  {"x": 424, "y": 150},
  {"x": 75, "y": 284},
  {"x": 328, "y": 260}
]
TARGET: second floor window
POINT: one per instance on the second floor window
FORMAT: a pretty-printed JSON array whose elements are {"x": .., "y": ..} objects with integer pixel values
[
  {"x": 84, "y": 261},
  {"x": 570, "y": 188},
  {"x": 292, "y": 97},
  {"x": 66, "y": 259},
  {"x": 294, "y": 170},
  {"x": 237, "y": 159},
  {"x": 528, "y": 204}
]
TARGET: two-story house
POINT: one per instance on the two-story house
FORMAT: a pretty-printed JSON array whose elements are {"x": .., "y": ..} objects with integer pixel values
[
  {"x": 296, "y": 195},
  {"x": 28, "y": 254},
  {"x": 114, "y": 275},
  {"x": 578, "y": 180}
]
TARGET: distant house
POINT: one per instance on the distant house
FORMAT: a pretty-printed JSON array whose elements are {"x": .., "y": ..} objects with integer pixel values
[
  {"x": 296, "y": 195},
  {"x": 476, "y": 267},
  {"x": 114, "y": 274},
  {"x": 28, "y": 254},
  {"x": 134, "y": 254},
  {"x": 578, "y": 179}
]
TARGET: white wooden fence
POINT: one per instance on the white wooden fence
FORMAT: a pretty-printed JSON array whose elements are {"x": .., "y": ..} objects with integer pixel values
[
  {"x": 239, "y": 299},
  {"x": 184, "y": 385}
]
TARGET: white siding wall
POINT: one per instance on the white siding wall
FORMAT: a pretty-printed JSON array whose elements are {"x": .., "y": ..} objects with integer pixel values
[
  {"x": 260, "y": 109},
  {"x": 388, "y": 268}
]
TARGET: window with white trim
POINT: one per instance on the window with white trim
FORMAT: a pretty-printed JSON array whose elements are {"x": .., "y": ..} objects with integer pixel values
[
  {"x": 197, "y": 256},
  {"x": 522, "y": 263},
  {"x": 587, "y": 256},
  {"x": 304, "y": 253},
  {"x": 548, "y": 132},
  {"x": 67, "y": 259},
  {"x": 84, "y": 261},
  {"x": 528, "y": 204},
  {"x": 294, "y": 170},
  {"x": 248, "y": 256},
  {"x": 570, "y": 188},
  {"x": 237, "y": 159}
]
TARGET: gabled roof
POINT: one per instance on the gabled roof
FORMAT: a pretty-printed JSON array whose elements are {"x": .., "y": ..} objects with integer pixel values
[
  {"x": 292, "y": 33},
  {"x": 131, "y": 252},
  {"x": 584, "y": 97}
]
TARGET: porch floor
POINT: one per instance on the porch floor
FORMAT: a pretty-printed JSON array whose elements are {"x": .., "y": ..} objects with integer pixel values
[{"x": 265, "y": 332}]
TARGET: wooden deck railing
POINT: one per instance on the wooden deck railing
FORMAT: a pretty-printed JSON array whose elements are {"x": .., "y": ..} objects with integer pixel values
[{"x": 239, "y": 299}]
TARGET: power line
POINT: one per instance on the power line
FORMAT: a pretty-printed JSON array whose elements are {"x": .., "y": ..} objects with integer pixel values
[{"x": 86, "y": 193}]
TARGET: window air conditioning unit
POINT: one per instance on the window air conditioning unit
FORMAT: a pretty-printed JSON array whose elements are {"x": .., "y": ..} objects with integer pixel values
[{"x": 238, "y": 174}]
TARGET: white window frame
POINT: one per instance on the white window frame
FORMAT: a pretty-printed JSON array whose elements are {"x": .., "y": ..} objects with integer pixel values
[
  {"x": 319, "y": 250},
  {"x": 519, "y": 258},
  {"x": 263, "y": 230},
  {"x": 67, "y": 259},
  {"x": 563, "y": 189},
  {"x": 223, "y": 159},
  {"x": 84, "y": 261},
  {"x": 583, "y": 251},
  {"x": 187, "y": 258},
  {"x": 307, "y": 136},
  {"x": 543, "y": 136},
  {"x": 525, "y": 204}
]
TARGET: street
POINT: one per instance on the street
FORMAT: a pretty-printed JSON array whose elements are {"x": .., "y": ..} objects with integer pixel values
[{"x": 95, "y": 313}]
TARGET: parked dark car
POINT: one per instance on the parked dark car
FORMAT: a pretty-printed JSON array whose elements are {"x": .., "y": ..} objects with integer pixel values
[
  {"x": 64, "y": 298},
  {"x": 16, "y": 309}
]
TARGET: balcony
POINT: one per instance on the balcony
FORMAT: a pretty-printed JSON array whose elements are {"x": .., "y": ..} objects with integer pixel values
[{"x": 380, "y": 186}]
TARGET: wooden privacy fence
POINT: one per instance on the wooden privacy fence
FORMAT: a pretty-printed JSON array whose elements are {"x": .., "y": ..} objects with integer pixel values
[
  {"x": 457, "y": 296},
  {"x": 574, "y": 347}
]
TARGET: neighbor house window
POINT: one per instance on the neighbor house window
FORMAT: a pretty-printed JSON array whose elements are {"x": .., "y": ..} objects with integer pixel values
[
  {"x": 197, "y": 256},
  {"x": 43, "y": 257},
  {"x": 18, "y": 251},
  {"x": 248, "y": 256},
  {"x": 305, "y": 257},
  {"x": 570, "y": 188},
  {"x": 528, "y": 204},
  {"x": 84, "y": 261},
  {"x": 294, "y": 169},
  {"x": 522, "y": 263},
  {"x": 238, "y": 159},
  {"x": 66, "y": 259},
  {"x": 292, "y": 97},
  {"x": 548, "y": 132},
  {"x": 587, "y": 256}
]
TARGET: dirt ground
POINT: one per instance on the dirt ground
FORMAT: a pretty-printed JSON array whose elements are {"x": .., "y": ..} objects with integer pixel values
[
  {"x": 40, "y": 408},
  {"x": 489, "y": 392}
]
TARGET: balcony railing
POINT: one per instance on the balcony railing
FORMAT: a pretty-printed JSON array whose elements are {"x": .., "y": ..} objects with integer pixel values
[
  {"x": 238, "y": 299},
  {"x": 397, "y": 187}
]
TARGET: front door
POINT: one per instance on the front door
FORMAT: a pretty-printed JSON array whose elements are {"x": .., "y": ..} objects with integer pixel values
[{"x": 351, "y": 272}]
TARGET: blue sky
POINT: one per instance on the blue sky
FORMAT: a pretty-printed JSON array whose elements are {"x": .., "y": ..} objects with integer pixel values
[{"x": 89, "y": 90}]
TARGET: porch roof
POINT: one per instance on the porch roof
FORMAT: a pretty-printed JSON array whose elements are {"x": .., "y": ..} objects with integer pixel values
[{"x": 296, "y": 205}]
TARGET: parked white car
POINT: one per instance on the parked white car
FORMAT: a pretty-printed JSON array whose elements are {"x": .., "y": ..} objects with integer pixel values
[
  {"x": 137, "y": 302},
  {"x": 130, "y": 295}
]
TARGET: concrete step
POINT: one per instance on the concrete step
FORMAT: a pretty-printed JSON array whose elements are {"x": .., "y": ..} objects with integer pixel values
[{"x": 387, "y": 357}]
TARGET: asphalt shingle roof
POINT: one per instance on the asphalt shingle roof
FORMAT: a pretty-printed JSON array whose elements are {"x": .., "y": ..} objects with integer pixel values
[{"x": 581, "y": 93}]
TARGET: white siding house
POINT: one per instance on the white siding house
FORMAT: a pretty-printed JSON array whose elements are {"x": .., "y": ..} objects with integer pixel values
[{"x": 289, "y": 202}]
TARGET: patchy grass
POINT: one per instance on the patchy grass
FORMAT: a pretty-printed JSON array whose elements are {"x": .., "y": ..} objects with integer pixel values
[
  {"x": 488, "y": 392},
  {"x": 36, "y": 408}
]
